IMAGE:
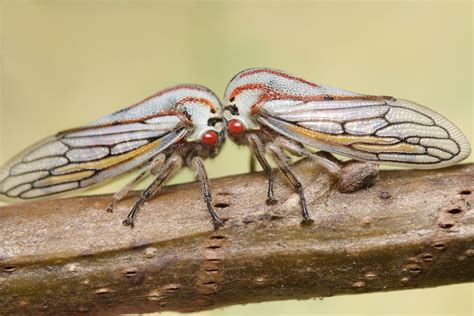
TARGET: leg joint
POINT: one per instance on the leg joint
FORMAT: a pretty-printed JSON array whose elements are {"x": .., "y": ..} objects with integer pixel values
[
  {"x": 146, "y": 194},
  {"x": 298, "y": 186}
]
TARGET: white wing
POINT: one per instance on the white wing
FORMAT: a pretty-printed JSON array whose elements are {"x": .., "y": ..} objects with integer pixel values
[
  {"x": 379, "y": 129},
  {"x": 81, "y": 157}
]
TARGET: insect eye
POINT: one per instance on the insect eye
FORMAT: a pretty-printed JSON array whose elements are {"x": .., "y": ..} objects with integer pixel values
[
  {"x": 235, "y": 127},
  {"x": 210, "y": 138}
]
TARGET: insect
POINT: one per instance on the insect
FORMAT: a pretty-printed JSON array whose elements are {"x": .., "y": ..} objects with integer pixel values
[
  {"x": 176, "y": 126},
  {"x": 273, "y": 112}
]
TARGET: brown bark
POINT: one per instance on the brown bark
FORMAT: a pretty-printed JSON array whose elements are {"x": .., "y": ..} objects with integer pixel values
[{"x": 410, "y": 229}]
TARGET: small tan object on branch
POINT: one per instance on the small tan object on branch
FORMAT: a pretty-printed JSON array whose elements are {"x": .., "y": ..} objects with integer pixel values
[{"x": 410, "y": 229}]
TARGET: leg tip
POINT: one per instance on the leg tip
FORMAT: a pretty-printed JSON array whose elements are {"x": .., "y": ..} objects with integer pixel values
[
  {"x": 218, "y": 224},
  {"x": 110, "y": 209},
  {"x": 128, "y": 222},
  {"x": 307, "y": 221},
  {"x": 271, "y": 201}
]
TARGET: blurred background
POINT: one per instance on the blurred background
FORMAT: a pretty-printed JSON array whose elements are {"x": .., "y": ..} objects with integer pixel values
[{"x": 64, "y": 64}]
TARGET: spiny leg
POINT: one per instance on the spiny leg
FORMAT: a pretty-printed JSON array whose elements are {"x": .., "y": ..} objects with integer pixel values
[
  {"x": 198, "y": 165},
  {"x": 119, "y": 195},
  {"x": 351, "y": 176},
  {"x": 299, "y": 150},
  {"x": 252, "y": 163},
  {"x": 169, "y": 167},
  {"x": 259, "y": 151},
  {"x": 280, "y": 160}
]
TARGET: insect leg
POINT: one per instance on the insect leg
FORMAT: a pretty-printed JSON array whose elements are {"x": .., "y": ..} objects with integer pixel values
[
  {"x": 119, "y": 195},
  {"x": 281, "y": 160},
  {"x": 299, "y": 150},
  {"x": 171, "y": 165},
  {"x": 252, "y": 165},
  {"x": 198, "y": 166},
  {"x": 259, "y": 151}
]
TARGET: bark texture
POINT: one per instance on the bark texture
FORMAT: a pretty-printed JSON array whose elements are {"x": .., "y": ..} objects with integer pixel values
[{"x": 410, "y": 229}]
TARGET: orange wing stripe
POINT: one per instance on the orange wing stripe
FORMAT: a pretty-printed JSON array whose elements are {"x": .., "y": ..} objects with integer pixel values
[
  {"x": 106, "y": 162},
  {"x": 52, "y": 180},
  {"x": 396, "y": 148},
  {"x": 343, "y": 140}
]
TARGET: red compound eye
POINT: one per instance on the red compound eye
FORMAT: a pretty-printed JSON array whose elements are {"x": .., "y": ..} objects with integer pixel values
[
  {"x": 209, "y": 138},
  {"x": 235, "y": 127}
]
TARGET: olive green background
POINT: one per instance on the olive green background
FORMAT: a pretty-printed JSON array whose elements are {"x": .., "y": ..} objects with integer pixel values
[{"x": 64, "y": 63}]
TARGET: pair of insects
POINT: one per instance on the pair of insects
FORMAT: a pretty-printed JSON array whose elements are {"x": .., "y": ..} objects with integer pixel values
[{"x": 269, "y": 110}]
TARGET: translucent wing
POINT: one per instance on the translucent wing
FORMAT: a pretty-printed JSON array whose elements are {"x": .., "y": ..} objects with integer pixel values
[
  {"x": 81, "y": 157},
  {"x": 379, "y": 129}
]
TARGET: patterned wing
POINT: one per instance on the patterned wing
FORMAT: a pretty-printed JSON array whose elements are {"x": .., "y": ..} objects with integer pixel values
[
  {"x": 81, "y": 157},
  {"x": 379, "y": 129}
]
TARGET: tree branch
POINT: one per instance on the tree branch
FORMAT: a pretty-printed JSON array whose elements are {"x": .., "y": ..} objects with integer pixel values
[{"x": 411, "y": 229}]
